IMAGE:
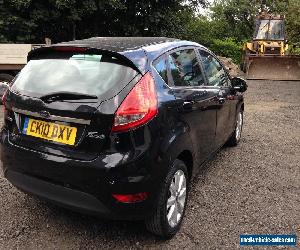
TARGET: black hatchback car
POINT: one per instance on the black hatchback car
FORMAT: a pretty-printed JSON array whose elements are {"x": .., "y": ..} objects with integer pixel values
[{"x": 117, "y": 127}]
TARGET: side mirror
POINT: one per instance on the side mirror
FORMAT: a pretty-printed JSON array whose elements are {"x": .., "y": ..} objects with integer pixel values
[{"x": 239, "y": 84}]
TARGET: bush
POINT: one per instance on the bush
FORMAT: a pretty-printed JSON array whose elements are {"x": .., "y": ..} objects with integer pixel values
[
  {"x": 294, "y": 49},
  {"x": 297, "y": 51},
  {"x": 227, "y": 48}
]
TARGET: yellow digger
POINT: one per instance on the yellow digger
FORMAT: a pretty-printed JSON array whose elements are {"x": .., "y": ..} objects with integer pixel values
[{"x": 268, "y": 55}]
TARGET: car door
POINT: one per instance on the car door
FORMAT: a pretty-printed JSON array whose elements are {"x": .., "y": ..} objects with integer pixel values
[
  {"x": 219, "y": 80},
  {"x": 198, "y": 108}
]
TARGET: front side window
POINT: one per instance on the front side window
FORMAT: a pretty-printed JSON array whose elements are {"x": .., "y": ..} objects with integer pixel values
[
  {"x": 214, "y": 70},
  {"x": 185, "y": 69}
]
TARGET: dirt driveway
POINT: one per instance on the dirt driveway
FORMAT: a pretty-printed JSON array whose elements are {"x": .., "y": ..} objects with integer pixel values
[{"x": 253, "y": 188}]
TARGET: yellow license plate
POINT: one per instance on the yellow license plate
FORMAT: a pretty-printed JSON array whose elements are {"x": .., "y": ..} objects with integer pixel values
[{"x": 50, "y": 131}]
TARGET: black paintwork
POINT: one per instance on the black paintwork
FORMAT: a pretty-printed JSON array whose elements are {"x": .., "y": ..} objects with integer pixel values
[
  {"x": 192, "y": 123},
  {"x": 140, "y": 51},
  {"x": 119, "y": 44}
]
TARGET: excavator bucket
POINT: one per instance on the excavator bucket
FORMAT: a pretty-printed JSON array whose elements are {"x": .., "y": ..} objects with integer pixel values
[{"x": 280, "y": 68}]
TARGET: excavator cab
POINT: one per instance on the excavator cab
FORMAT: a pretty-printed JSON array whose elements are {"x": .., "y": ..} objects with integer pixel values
[
  {"x": 266, "y": 56},
  {"x": 269, "y": 29}
]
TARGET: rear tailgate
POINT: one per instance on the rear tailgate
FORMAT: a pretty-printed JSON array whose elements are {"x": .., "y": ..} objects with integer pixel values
[{"x": 69, "y": 127}]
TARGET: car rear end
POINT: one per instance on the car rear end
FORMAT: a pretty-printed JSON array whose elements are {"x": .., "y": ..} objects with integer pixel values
[{"x": 79, "y": 128}]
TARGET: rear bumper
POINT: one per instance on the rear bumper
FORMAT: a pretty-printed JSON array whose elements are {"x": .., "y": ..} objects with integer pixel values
[
  {"x": 60, "y": 195},
  {"x": 84, "y": 186}
]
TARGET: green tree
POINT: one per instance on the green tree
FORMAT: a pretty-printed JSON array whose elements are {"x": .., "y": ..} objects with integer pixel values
[
  {"x": 61, "y": 20},
  {"x": 293, "y": 21}
]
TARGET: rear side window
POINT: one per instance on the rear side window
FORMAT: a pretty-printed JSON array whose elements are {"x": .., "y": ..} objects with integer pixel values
[
  {"x": 185, "y": 69},
  {"x": 100, "y": 75},
  {"x": 161, "y": 68},
  {"x": 214, "y": 70}
]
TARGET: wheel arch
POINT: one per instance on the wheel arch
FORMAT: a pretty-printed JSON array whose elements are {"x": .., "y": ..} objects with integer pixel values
[
  {"x": 179, "y": 146},
  {"x": 240, "y": 106},
  {"x": 243, "y": 107},
  {"x": 8, "y": 73},
  {"x": 187, "y": 157}
]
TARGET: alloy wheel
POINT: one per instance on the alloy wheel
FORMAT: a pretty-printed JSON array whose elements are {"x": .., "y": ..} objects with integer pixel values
[
  {"x": 177, "y": 198},
  {"x": 239, "y": 125}
]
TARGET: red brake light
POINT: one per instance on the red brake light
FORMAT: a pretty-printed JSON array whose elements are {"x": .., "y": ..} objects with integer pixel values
[
  {"x": 129, "y": 198},
  {"x": 70, "y": 49},
  {"x": 139, "y": 106}
]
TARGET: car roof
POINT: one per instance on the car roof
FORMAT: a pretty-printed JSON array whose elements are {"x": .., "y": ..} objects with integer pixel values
[
  {"x": 133, "y": 48},
  {"x": 118, "y": 44},
  {"x": 153, "y": 46}
]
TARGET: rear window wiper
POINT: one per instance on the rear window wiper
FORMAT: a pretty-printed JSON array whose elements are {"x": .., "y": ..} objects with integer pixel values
[{"x": 61, "y": 96}]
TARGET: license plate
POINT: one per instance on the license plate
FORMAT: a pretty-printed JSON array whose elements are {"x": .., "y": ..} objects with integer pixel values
[{"x": 50, "y": 131}]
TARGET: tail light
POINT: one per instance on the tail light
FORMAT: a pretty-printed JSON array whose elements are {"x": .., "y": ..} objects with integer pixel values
[
  {"x": 139, "y": 107},
  {"x": 69, "y": 49},
  {"x": 130, "y": 198}
]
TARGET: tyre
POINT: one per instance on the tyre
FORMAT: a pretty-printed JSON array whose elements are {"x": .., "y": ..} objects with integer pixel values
[
  {"x": 167, "y": 218},
  {"x": 6, "y": 78},
  {"x": 237, "y": 133}
]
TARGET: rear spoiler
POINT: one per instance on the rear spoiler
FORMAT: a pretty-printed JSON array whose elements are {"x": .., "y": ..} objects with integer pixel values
[{"x": 45, "y": 52}]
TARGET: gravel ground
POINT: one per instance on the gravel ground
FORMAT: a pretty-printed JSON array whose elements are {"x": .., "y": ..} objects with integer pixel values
[{"x": 251, "y": 189}]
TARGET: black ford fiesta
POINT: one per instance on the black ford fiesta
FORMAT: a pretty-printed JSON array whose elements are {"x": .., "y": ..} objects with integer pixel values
[{"x": 117, "y": 127}]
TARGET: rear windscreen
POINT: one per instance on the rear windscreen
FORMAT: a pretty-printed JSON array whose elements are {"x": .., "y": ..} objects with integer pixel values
[{"x": 100, "y": 75}]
